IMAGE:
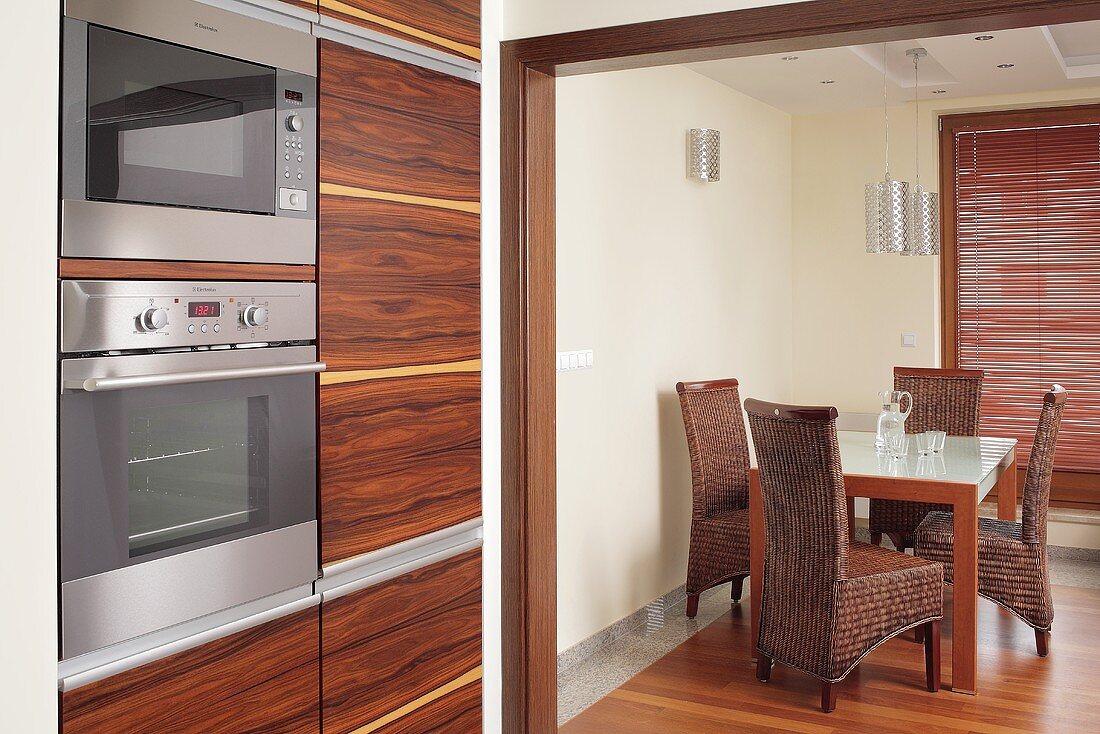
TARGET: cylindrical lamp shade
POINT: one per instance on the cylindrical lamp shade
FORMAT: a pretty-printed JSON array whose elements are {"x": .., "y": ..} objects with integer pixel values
[
  {"x": 924, "y": 223},
  {"x": 887, "y": 224},
  {"x": 704, "y": 154}
]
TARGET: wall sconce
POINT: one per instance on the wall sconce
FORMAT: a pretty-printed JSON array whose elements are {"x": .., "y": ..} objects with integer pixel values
[{"x": 704, "y": 154}]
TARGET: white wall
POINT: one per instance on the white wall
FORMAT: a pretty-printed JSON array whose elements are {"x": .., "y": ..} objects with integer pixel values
[
  {"x": 666, "y": 279},
  {"x": 491, "y": 28},
  {"x": 523, "y": 18},
  {"x": 28, "y": 233},
  {"x": 850, "y": 307}
]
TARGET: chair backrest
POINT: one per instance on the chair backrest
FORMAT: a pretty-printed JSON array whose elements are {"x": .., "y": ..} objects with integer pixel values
[
  {"x": 1040, "y": 466},
  {"x": 805, "y": 530},
  {"x": 943, "y": 400},
  {"x": 718, "y": 445}
]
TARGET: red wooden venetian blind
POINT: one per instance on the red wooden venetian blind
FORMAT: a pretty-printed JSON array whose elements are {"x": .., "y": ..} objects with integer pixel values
[{"x": 1027, "y": 238}]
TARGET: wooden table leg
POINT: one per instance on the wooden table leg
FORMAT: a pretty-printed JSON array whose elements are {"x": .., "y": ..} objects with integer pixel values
[
  {"x": 756, "y": 555},
  {"x": 1006, "y": 493},
  {"x": 964, "y": 634}
]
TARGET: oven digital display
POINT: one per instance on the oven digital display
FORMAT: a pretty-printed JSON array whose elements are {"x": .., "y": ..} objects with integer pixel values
[
  {"x": 293, "y": 96},
  {"x": 204, "y": 309}
]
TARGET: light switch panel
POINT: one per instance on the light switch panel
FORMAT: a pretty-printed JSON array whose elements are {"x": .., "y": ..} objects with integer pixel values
[
  {"x": 909, "y": 340},
  {"x": 580, "y": 359}
]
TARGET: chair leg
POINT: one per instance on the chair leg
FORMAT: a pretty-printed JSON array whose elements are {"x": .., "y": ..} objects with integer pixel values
[
  {"x": 828, "y": 697},
  {"x": 918, "y": 634},
  {"x": 1042, "y": 642},
  {"x": 692, "y": 605},
  {"x": 876, "y": 538},
  {"x": 898, "y": 539},
  {"x": 763, "y": 667},
  {"x": 932, "y": 654},
  {"x": 737, "y": 588}
]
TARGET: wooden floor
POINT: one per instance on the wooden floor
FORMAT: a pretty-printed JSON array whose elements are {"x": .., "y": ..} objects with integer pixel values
[{"x": 708, "y": 684}]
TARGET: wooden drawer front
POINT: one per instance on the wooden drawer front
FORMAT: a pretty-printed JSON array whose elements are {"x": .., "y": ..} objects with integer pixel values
[
  {"x": 260, "y": 680},
  {"x": 400, "y": 458},
  {"x": 394, "y": 130},
  {"x": 401, "y": 284},
  {"x": 453, "y": 26},
  {"x": 389, "y": 652}
]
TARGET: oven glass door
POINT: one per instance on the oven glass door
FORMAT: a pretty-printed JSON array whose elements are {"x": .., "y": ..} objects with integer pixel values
[
  {"x": 152, "y": 471},
  {"x": 176, "y": 126}
]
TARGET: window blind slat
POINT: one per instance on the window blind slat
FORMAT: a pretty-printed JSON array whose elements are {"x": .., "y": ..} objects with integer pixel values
[{"x": 1027, "y": 228}]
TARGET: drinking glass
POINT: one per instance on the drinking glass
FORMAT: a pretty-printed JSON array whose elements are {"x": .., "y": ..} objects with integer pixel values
[
  {"x": 937, "y": 440},
  {"x": 897, "y": 445},
  {"x": 924, "y": 443}
]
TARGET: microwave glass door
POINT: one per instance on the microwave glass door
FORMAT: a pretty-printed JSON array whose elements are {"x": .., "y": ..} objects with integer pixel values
[
  {"x": 149, "y": 472},
  {"x": 175, "y": 126}
]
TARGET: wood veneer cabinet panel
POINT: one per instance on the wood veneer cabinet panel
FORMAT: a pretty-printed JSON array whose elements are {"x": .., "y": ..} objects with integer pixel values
[
  {"x": 389, "y": 645},
  {"x": 310, "y": 5},
  {"x": 400, "y": 457},
  {"x": 395, "y": 128},
  {"x": 456, "y": 713},
  {"x": 260, "y": 680},
  {"x": 401, "y": 284},
  {"x": 453, "y": 26},
  {"x": 68, "y": 267}
]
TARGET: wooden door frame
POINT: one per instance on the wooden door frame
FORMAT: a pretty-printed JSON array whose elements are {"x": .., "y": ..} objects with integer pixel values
[{"x": 528, "y": 70}]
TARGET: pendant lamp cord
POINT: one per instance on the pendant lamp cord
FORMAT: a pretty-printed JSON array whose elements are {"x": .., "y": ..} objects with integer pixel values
[
  {"x": 916, "y": 112},
  {"x": 886, "y": 111}
]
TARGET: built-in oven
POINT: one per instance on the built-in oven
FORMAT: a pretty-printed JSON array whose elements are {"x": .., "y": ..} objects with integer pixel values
[
  {"x": 188, "y": 447},
  {"x": 188, "y": 133}
]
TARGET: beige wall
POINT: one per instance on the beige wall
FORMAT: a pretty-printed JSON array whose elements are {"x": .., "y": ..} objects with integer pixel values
[
  {"x": 850, "y": 307},
  {"x": 523, "y": 18},
  {"x": 28, "y": 539},
  {"x": 666, "y": 279}
]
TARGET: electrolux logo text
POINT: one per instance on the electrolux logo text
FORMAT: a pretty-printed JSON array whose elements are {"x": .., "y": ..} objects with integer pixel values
[{"x": 205, "y": 27}]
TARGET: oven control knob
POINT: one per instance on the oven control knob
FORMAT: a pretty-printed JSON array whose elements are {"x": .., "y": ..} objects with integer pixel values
[
  {"x": 294, "y": 122},
  {"x": 153, "y": 318},
  {"x": 254, "y": 316}
]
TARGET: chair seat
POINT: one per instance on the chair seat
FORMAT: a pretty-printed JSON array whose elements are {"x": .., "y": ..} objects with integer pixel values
[
  {"x": 1010, "y": 571},
  {"x": 884, "y": 592},
  {"x": 718, "y": 550}
]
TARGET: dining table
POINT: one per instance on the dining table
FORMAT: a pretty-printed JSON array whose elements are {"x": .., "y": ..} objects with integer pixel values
[{"x": 962, "y": 475}]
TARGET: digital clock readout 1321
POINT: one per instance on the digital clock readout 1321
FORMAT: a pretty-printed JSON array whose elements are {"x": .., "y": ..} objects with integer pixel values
[{"x": 204, "y": 309}]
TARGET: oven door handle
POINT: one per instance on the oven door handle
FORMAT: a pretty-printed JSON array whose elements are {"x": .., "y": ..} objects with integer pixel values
[{"x": 101, "y": 384}]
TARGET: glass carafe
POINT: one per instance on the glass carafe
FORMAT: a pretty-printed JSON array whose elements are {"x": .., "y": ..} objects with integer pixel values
[{"x": 891, "y": 421}]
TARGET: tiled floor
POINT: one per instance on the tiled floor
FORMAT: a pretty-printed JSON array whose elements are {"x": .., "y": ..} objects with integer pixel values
[{"x": 591, "y": 679}]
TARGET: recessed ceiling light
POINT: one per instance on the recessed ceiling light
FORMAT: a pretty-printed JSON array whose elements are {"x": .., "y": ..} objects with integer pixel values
[
  {"x": 983, "y": 38},
  {"x": 828, "y": 81},
  {"x": 939, "y": 91},
  {"x": 1005, "y": 66},
  {"x": 789, "y": 58}
]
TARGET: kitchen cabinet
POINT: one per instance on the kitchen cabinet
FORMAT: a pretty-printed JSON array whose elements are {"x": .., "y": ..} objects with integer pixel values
[
  {"x": 399, "y": 289},
  {"x": 451, "y": 26},
  {"x": 262, "y": 680},
  {"x": 405, "y": 655}
]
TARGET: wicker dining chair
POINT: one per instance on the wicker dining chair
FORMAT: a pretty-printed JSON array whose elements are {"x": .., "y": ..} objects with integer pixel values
[
  {"x": 826, "y": 601},
  {"x": 718, "y": 550},
  {"x": 943, "y": 400},
  {"x": 1012, "y": 556}
]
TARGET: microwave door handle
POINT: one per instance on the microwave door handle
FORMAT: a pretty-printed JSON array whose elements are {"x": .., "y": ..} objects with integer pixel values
[{"x": 101, "y": 384}]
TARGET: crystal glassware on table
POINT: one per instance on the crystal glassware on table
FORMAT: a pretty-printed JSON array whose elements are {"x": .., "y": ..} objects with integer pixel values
[
  {"x": 897, "y": 445},
  {"x": 937, "y": 440},
  {"x": 891, "y": 421}
]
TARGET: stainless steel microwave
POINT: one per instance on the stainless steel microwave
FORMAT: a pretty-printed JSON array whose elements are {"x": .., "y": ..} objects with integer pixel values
[{"x": 188, "y": 133}]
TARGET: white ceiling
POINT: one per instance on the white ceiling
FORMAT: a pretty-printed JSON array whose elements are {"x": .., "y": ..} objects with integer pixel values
[{"x": 1044, "y": 58}]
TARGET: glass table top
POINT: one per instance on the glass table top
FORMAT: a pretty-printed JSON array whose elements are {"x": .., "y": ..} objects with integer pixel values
[{"x": 969, "y": 459}]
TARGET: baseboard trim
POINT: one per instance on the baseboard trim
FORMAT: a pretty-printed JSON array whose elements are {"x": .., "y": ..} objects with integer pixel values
[{"x": 589, "y": 646}]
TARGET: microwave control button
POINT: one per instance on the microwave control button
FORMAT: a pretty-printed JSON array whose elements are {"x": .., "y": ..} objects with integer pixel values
[
  {"x": 294, "y": 122},
  {"x": 254, "y": 316},
  {"x": 190, "y": 328},
  {"x": 153, "y": 318},
  {"x": 217, "y": 328},
  {"x": 294, "y": 200}
]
